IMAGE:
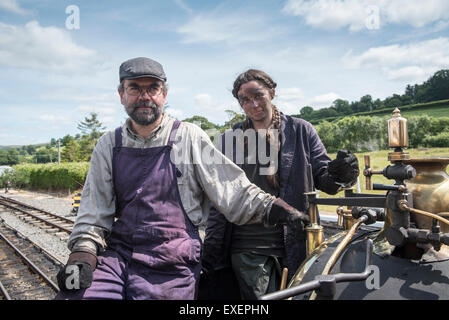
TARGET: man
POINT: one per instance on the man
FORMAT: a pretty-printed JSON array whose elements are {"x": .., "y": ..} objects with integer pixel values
[
  {"x": 136, "y": 233},
  {"x": 257, "y": 253}
]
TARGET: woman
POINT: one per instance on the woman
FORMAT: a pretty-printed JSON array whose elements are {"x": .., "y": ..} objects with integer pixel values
[{"x": 258, "y": 253}]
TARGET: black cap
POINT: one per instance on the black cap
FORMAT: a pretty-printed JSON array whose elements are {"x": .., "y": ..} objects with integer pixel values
[{"x": 141, "y": 67}]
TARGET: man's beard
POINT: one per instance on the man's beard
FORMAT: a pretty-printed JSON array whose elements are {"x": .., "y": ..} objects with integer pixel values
[{"x": 144, "y": 117}]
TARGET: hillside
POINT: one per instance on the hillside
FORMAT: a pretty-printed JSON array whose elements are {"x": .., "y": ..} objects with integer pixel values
[{"x": 433, "y": 109}]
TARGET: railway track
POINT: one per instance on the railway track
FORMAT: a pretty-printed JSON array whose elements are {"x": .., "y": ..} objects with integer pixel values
[
  {"x": 51, "y": 222},
  {"x": 26, "y": 272}
]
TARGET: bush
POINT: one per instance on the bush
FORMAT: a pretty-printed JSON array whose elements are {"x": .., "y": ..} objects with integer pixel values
[
  {"x": 358, "y": 134},
  {"x": 51, "y": 176},
  {"x": 440, "y": 140}
]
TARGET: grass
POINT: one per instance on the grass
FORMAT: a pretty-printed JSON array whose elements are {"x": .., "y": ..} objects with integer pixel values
[
  {"x": 379, "y": 160},
  {"x": 431, "y": 112},
  {"x": 438, "y": 108}
]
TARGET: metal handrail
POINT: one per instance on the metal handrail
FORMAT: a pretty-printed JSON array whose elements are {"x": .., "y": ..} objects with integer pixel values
[{"x": 325, "y": 283}]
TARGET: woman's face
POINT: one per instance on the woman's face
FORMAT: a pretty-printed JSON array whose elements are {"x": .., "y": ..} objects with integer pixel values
[{"x": 255, "y": 99}]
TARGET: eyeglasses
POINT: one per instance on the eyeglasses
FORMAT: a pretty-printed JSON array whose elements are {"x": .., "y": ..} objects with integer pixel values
[
  {"x": 137, "y": 91},
  {"x": 245, "y": 100}
]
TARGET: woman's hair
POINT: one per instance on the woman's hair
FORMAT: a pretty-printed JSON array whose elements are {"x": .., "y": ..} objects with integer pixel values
[
  {"x": 250, "y": 75},
  {"x": 267, "y": 82}
]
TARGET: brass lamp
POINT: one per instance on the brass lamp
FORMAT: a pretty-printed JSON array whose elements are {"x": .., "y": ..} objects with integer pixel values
[{"x": 397, "y": 137}]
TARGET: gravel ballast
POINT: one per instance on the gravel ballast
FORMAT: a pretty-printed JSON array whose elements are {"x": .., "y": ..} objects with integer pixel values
[
  {"x": 47, "y": 241},
  {"x": 58, "y": 205}
]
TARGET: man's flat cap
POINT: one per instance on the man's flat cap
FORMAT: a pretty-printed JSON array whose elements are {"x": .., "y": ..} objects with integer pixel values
[{"x": 141, "y": 67}]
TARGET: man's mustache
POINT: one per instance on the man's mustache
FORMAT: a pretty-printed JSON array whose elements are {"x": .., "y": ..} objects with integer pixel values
[{"x": 144, "y": 104}]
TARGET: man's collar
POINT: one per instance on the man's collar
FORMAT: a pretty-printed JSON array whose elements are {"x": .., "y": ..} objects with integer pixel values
[{"x": 130, "y": 129}]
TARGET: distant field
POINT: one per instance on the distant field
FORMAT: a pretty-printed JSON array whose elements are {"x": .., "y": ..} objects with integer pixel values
[
  {"x": 433, "y": 109},
  {"x": 379, "y": 160},
  {"x": 433, "y": 112}
]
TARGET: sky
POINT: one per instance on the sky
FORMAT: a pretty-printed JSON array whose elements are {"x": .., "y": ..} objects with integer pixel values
[{"x": 59, "y": 59}]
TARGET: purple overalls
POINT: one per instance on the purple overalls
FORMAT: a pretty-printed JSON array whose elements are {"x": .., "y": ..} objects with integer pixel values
[{"x": 154, "y": 250}]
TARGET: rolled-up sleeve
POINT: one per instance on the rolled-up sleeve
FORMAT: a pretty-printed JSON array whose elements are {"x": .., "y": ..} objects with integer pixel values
[
  {"x": 97, "y": 208},
  {"x": 226, "y": 185}
]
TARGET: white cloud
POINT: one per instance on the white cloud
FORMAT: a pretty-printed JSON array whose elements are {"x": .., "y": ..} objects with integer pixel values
[
  {"x": 414, "y": 61},
  {"x": 52, "y": 118},
  {"x": 359, "y": 14},
  {"x": 101, "y": 108},
  {"x": 408, "y": 73},
  {"x": 214, "y": 110},
  {"x": 205, "y": 102},
  {"x": 183, "y": 6},
  {"x": 106, "y": 105},
  {"x": 289, "y": 100},
  {"x": 415, "y": 12},
  {"x": 177, "y": 113},
  {"x": 324, "y": 100},
  {"x": 12, "y": 6},
  {"x": 331, "y": 14},
  {"x": 44, "y": 48},
  {"x": 290, "y": 94},
  {"x": 232, "y": 29}
]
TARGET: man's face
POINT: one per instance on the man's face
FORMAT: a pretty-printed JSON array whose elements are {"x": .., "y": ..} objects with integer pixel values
[
  {"x": 141, "y": 104},
  {"x": 255, "y": 100}
]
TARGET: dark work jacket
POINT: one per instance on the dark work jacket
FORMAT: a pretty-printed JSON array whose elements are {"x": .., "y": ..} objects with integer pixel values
[{"x": 300, "y": 146}]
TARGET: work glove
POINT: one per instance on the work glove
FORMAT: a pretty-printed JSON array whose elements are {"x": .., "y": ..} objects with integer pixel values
[
  {"x": 78, "y": 272},
  {"x": 344, "y": 170},
  {"x": 283, "y": 213}
]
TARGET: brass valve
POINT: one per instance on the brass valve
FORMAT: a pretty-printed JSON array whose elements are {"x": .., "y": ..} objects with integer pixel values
[
  {"x": 368, "y": 172},
  {"x": 345, "y": 218}
]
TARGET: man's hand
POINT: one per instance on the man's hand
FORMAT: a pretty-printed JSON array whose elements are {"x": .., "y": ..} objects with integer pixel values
[
  {"x": 78, "y": 272},
  {"x": 345, "y": 168},
  {"x": 283, "y": 213}
]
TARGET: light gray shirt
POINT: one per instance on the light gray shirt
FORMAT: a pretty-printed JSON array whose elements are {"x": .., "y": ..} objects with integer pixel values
[{"x": 205, "y": 179}]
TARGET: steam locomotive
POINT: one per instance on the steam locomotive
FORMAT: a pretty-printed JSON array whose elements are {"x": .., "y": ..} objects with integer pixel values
[{"x": 407, "y": 257}]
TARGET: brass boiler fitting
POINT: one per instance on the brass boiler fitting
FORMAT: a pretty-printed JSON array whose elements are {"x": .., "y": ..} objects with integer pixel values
[
  {"x": 345, "y": 218},
  {"x": 368, "y": 172},
  {"x": 397, "y": 139},
  {"x": 314, "y": 231}
]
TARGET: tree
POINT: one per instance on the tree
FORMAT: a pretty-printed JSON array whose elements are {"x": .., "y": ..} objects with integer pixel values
[
  {"x": 393, "y": 102},
  {"x": 438, "y": 86},
  {"x": 342, "y": 107},
  {"x": 66, "y": 139},
  {"x": 3, "y": 157},
  {"x": 366, "y": 103},
  {"x": 30, "y": 149},
  {"x": 201, "y": 122},
  {"x": 13, "y": 157},
  {"x": 378, "y": 104},
  {"x": 410, "y": 91},
  {"x": 46, "y": 154},
  {"x": 70, "y": 151},
  {"x": 91, "y": 126},
  {"x": 234, "y": 118},
  {"x": 355, "y": 106},
  {"x": 306, "y": 112},
  {"x": 86, "y": 147}
]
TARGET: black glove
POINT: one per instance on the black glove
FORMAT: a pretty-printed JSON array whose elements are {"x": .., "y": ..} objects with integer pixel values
[
  {"x": 345, "y": 168},
  {"x": 78, "y": 272},
  {"x": 282, "y": 212}
]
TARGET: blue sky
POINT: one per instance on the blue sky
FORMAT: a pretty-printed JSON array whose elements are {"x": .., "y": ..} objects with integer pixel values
[{"x": 52, "y": 75}]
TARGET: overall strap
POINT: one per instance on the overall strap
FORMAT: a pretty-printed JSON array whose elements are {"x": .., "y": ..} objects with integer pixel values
[
  {"x": 173, "y": 132},
  {"x": 118, "y": 137}
]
